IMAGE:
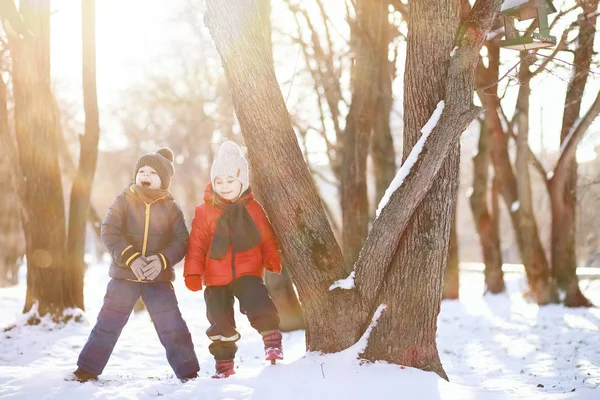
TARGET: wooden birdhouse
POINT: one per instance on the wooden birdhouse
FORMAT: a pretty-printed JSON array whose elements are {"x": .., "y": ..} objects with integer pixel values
[{"x": 525, "y": 10}]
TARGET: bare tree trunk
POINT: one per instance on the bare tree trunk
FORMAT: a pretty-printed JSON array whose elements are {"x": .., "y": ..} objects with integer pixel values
[
  {"x": 494, "y": 278},
  {"x": 12, "y": 242},
  {"x": 451, "y": 272},
  {"x": 37, "y": 130},
  {"x": 563, "y": 189},
  {"x": 531, "y": 251},
  {"x": 82, "y": 183},
  {"x": 539, "y": 277},
  {"x": 405, "y": 332},
  {"x": 367, "y": 33},
  {"x": 280, "y": 286},
  {"x": 488, "y": 236},
  {"x": 382, "y": 142}
]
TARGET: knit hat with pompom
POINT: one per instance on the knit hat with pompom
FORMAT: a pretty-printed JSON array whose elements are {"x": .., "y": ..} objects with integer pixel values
[
  {"x": 162, "y": 162},
  {"x": 230, "y": 162}
]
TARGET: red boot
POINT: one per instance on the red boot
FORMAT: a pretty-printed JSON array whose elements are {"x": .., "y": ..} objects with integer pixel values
[
  {"x": 273, "y": 349},
  {"x": 224, "y": 369}
]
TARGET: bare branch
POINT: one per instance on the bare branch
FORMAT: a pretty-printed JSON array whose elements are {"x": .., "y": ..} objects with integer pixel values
[{"x": 570, "y": 144}]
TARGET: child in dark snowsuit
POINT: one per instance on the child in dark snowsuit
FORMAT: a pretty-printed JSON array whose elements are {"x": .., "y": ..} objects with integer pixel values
[
  {"x": 231, "y": 244},
  {"x": 146, "y": 235}
]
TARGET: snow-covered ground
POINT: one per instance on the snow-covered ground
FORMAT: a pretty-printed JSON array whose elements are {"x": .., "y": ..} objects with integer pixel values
[{"x": 492, "y": 347}]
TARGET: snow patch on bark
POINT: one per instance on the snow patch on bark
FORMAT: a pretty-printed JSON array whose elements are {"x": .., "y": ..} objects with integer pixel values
[
  {"x": 412, "y": 157},
  {"x": 360, "y": 346},
  {"x": 515, "y": 206},
  {"x": 347, "y": 283}
]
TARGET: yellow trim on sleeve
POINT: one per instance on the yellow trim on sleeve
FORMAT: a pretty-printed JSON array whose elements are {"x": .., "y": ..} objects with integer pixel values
[
  {"x": 131, "y": 258},
  {"x": 163, "y": 259},
  {"x": 126, "y": 248}
]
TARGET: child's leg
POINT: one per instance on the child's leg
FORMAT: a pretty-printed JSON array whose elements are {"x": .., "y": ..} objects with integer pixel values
[
  {"x": 256, "y": 303},
  {"x": 120, "y": 297},
  {"x": 222, "y": 332},
  {"x": 172, "y": 330}
]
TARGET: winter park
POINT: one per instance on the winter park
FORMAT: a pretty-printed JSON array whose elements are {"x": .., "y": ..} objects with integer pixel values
[{"x": 285, "y": 199}]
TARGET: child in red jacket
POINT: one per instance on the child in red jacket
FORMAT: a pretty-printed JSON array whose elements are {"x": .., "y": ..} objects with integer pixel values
[{"x": 231, "y": 244}]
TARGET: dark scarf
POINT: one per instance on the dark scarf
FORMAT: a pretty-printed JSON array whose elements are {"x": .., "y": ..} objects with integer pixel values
[
  {"x": 149, "y": 195},
  {"x": 235, "y": 226}
]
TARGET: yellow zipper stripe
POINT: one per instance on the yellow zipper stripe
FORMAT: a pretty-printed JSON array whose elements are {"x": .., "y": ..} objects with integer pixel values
[
  {"x": 126, "y": 248},
  {"x": 147, "y": 224},
  {"x": 164, "y": 260}
]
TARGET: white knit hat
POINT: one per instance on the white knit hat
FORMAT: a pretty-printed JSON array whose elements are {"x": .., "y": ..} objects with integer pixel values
[{"x": 230, "y": 162}]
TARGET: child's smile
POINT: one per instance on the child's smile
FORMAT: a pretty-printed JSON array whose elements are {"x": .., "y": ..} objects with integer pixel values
[
  {"x": 147, "y": 177},
  {"x": 227, "y": 187}
]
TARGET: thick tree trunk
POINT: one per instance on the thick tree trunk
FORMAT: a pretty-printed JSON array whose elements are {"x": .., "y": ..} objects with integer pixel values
[
  {"x": 452, "y": 271},
  {"x": 82, "y": 183},
  {"x": 563, "y": 190},
  {"x": 416, "y": 272},
  {"x": 293, "y": 205},
  {"x": 382, "y": 142},
  {"x": 405, "y": 333},
  {"x": 488, "y": 236},
  {"x": 367, "y": 33},
  {"x": 37, "y": 129},
  {"x": 423, "y": 250},
  {"x": 280, "y": 286},
  {"x": 532, "y": 252}
]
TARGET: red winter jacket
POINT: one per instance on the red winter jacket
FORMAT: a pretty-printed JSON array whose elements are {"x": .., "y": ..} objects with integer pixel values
[{"x": 250, "y": 262}]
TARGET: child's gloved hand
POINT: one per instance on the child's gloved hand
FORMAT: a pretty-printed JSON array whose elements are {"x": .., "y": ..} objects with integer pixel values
[
  {"x": 153, "y": 267},
  {"x": 193, "y": 282},
  {"x": 137, "y": 266}
]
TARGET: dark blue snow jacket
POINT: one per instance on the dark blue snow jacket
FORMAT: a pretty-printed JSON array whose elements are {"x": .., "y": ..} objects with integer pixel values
[{"x": 137, "y": 226}]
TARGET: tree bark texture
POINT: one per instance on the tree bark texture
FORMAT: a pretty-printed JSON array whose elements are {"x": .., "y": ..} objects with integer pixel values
[
  {"x": 563, "y": 185},
  {"x": 12, "y": 242},
  {"x": 532, "y": 252},
  {"x": 37, "y": 130},
  {"x": 280, "y": 286},
  {"x": 484, "y": 224},
  {"x": 538, "y": 271},
  {"x": 416, "y": 273},
  {"x": 337, "y": 318},
  {"x": 451, "y": 272},
  {"x": 382, "y": 142},
  {"x": 368, "y": 32},
  {"x": 88, "y": 155},
  {"x": 293, "y": 205}
]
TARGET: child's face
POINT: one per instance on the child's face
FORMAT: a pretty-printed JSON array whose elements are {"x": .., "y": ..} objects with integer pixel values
[
  {"x": 148, "y": 178},
  {"x": 227, "y": 187}
]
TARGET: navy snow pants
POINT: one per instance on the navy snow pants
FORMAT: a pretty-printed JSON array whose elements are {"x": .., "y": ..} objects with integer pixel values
[{"x": 159, "y": 297}]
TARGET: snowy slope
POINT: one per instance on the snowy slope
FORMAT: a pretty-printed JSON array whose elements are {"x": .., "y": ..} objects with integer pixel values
[{"x": 495, "y": 347}]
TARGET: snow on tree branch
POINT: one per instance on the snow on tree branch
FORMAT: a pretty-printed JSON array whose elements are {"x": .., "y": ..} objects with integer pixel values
[
  {"x": 347, "y": 283},
  {"x": 412, "y": 157}
]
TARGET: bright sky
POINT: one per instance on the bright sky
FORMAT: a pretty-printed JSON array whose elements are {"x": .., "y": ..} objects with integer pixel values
[{"x": 132, "y": 34}]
